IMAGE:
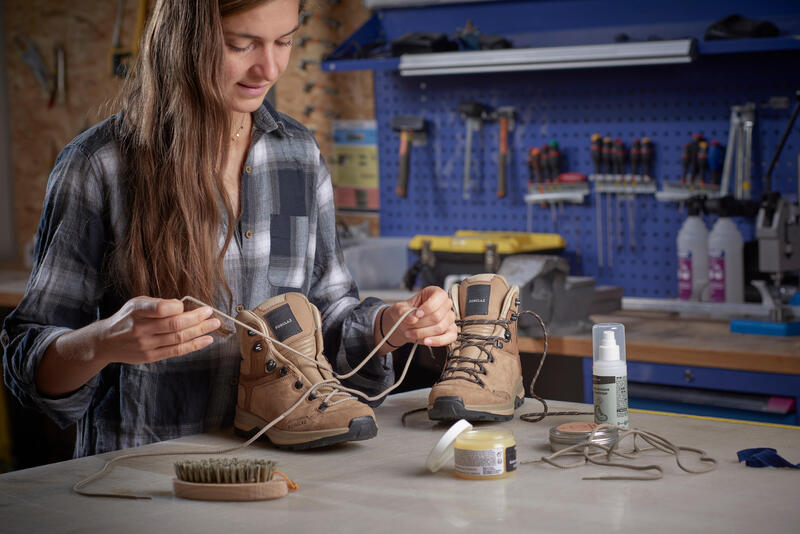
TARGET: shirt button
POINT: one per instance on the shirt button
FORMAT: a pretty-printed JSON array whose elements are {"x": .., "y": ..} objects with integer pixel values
[
  {"x": 248, "y": 169},
  {"x": 248, "y": 234},
  {"x": 239, "y": 308}
]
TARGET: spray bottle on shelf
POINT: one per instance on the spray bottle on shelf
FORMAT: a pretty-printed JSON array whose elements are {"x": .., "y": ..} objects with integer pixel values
[
  {"x": 692, "y": 244},
  {"x": 725, "y": 261},
  {"x": 609, "y": 375}
]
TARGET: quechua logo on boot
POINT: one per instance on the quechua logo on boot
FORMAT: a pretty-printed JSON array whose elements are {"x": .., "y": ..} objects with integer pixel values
[
  {"x": 282, "y": 322},
  {"x": 477, "y": 299}
]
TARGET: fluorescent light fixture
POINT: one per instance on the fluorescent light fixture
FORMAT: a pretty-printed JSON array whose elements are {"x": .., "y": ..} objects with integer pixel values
[{"x": 549, "y": 58}]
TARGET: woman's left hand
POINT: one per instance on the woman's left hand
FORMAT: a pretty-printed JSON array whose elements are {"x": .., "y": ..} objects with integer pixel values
[{"x": 432, "y": 324}]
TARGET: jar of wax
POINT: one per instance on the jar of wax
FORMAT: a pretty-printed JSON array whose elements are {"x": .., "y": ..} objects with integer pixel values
[{"x": 485, "y": 454}]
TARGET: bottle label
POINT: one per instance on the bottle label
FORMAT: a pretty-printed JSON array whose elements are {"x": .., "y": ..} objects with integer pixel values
[
  {"x": 481, "y": 463},
  {"x": 685, "y": 276},
  {"x": 610, "y": 400},
  {"x": 716, "y": 277}
]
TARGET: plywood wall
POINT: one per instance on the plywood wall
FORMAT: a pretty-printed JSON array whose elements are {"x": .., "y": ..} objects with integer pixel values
[{"x": 84, "y": 29}]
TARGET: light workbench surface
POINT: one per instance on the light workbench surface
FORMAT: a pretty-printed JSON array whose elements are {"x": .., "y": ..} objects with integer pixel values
[
  {"x": 664, "y": 338},
  {"x": 381, "y": 485}
]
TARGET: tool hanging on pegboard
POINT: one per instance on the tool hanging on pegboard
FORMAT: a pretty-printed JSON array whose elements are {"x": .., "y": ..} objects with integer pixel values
[
  {"x": 122, "y": 57},
  {"x": 30, "y": 55}
]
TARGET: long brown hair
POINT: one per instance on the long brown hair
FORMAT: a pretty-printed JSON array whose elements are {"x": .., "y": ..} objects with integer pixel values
[{"x": 173, "y": 132}]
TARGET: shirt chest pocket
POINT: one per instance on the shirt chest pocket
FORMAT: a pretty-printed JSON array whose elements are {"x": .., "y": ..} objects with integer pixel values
[{"x": 288, "y": 250}]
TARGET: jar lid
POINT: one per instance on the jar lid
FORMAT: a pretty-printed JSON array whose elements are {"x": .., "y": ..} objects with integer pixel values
[
  {"x": 442, "y": 452},
  {"x": 572, "y": 433}
]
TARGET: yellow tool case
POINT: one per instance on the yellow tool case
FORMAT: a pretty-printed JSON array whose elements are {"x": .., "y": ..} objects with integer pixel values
[{"x": 472, "y": 252}]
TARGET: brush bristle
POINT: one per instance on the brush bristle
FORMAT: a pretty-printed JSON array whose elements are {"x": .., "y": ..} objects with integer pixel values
[{"x": 224, "y": 470}]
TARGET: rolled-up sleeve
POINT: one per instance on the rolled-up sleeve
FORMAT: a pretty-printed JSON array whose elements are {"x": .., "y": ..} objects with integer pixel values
[
  {"x": 65, "y": 284},
  {"x": 347, "y": 322}
]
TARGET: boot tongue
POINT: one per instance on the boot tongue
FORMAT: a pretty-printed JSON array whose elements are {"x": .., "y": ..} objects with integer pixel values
[
  {"x": 294, "y": 321},
  {"x": 480, "y": 297}
]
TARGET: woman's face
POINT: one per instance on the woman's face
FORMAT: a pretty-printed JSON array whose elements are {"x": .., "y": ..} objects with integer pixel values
[{"x": 258, "y": 43}]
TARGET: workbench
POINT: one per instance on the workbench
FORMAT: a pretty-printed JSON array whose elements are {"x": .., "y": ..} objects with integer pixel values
[
  {"x": 382, "y": 485},
  {"x": 668, "y": 350}
]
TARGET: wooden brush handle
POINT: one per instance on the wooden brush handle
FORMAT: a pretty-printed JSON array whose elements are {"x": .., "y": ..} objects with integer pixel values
[{"x": 257, "y": 491}]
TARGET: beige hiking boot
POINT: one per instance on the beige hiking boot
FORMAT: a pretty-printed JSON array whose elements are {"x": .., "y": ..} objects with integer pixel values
[
  {"x": 273, "y": 378},
  {"x": 482, "y": 377}
]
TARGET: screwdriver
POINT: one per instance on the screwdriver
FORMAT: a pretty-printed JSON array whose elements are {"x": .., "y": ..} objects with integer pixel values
[
  {"x": 636, "y": 154},
  {"x": 647, "y": 158},
  {"x": 548, "y": 179},
  {"x": 702, "y": 162},
  {"x": 608, "y": 153},
  {"x": 636, "y": 150},
  {"x": 597, "y": 153},
  {"x": 597, "y": 156},
  {"x": 619, "y": 170},
  {"x": 535, "y": 166},
  {"x": 533, "y": 154},
  {"x": 554, "y": 162}
]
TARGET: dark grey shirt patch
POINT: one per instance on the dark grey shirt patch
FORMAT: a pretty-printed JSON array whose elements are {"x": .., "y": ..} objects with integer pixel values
[
  {"x": 477, "y": 300},
  {"x": 282, "y": 322}
]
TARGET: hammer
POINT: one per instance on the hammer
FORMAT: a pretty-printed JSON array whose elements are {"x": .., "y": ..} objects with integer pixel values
[
  {"x": 505, "y": 116},
  {"x": 406, "y": 125}
]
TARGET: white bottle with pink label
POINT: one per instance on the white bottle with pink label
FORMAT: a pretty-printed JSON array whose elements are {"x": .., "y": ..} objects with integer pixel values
[
  {"x": 692, "y": 244},
  {"x": 725, "y": 262}
]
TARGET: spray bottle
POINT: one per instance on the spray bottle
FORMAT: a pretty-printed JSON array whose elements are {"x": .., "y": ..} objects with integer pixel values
[
  {"x": 725, "y": 261},
  {"x": 692, "y": 245},
  {"x": 609, "y": 375}
]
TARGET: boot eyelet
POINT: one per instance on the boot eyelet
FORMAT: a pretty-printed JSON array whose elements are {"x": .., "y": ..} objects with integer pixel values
[
  {"x": 514, "y": 316},
  {"x": 298, "y": 384},
  {"x": 258, "y": 347},
  {"x": 516, "y": 302},
  {"x": 498, "y": 344},
  {"x": 250, "y": 333},
  {"x": 270, "y": 366},
  {"x": 284, "y": 371},
  {"x": 508, "y": 335},
  {"x": 312, "y": 396},
  {"x": 322, "y": 407}
]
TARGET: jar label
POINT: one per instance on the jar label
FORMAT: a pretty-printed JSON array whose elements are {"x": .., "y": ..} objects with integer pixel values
[
  {"x": 481, "y": 463},
  {"x": 716, "y": 277},
  {"x": 610, "y": 400},
  {"x": 685, "y": 277},
  {"x": 511, "y": 458}
]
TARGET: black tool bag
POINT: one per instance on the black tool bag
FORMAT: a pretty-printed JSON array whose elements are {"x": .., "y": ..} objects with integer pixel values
[
  {"x": 738, "y": 27},
  {"x": 422, "y": 43}
]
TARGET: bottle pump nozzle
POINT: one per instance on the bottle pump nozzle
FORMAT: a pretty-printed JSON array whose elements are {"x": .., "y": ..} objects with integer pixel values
[{"x": 608, "y": 349}]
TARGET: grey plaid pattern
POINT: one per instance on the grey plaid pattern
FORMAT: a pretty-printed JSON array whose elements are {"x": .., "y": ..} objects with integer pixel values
[{"x": 285, "y": 241}]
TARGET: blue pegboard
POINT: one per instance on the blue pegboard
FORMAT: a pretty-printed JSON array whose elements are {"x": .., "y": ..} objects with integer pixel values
[{"x": 665, "y": 103}]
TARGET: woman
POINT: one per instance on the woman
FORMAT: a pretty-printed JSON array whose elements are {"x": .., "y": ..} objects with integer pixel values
[{"x": 196, "y": 187}]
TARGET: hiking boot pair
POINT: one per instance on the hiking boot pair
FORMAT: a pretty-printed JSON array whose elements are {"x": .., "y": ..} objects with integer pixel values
[{"x": 481, "y": 381}]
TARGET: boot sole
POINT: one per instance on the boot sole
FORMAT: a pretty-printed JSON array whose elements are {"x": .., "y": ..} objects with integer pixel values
[
  {"x": 452, "y": 409},
  {"x": 360, "y": 428}
]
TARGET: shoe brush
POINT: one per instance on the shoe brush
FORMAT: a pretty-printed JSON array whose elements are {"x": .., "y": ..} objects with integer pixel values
[{"x": 227, "y": 479}]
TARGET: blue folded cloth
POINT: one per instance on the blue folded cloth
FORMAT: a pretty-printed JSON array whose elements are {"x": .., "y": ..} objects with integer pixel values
[{"x": 764, "y": 457}]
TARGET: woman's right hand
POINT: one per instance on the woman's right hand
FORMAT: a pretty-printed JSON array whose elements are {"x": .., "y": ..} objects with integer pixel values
[
  {"x": 148, "y": 330},
  {"x": 144, "y": 330}
]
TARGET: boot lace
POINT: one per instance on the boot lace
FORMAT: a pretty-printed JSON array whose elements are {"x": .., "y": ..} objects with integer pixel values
[{"x": 474, "y": 367}]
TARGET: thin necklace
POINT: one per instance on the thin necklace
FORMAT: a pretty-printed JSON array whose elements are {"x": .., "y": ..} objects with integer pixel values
[{"x": 238, "y": 132}]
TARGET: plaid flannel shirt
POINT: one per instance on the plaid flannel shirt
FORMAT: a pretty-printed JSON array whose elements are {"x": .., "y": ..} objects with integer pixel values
[{"x": 285, "y": 240}]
